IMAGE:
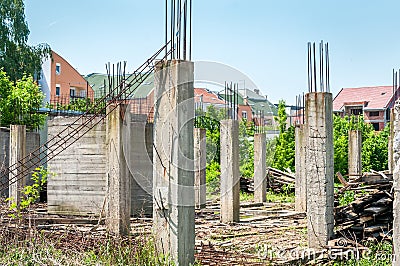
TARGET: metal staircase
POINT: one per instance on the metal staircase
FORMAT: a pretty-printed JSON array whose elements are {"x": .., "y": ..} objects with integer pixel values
[{"x": 81, "y": 125}]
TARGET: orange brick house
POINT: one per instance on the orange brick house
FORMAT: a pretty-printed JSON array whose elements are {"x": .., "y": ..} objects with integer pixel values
[{"x": 61, "y": 82}]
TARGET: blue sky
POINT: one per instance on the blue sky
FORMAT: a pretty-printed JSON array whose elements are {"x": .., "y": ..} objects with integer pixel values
[{"x": 265, "y": 39}]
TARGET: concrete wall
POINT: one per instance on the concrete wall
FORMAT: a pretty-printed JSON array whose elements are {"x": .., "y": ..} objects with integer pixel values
[
  {"x": 79, "y": 185},
  {"x": 140, "y": 164},
  {"x": 32, "y": 143}
]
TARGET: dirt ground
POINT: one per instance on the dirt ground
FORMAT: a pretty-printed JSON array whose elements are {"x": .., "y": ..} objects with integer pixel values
[{"x": 267, "y": 234}]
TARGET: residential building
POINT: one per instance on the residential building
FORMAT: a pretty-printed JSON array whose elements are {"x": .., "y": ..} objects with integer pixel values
[
  {"x": 61, "y": 82},
  {"x": 373, "y": 103}
]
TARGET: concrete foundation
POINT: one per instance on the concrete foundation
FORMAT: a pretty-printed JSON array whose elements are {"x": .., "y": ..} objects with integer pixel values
[
  {"x": 260, "y": 168},
  {"x": 319, "y": 167},
  {"x": 230, "y": 179},
  {"x": 300, "y": 165},
  {"x": 354, "y": 156},
  {"x": 200, "y": 163},
  {"x": 173, "y": 169},
  {"x": 118, "y": 178},
  {"x": 16, "y": 154},
  {"x": 396, "y": 185}
]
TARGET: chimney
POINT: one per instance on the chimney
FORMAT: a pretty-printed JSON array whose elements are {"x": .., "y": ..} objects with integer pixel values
[{"x": 266, "y": 97}]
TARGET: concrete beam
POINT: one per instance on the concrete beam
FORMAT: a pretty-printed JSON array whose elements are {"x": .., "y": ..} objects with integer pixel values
[
  {"x": 260, "y": 168},
  {"x": 118, "y": 177},
  {"x": 354, "y": 154},
  {"x": 17, "y": 153},
  {"x": 230, "y": 176},
  {"x": 173, "y": 166},
  {"x": 300, "y": 165},
  {"x": 200, "y": 163},
  {"x": 320, "y": 173}
]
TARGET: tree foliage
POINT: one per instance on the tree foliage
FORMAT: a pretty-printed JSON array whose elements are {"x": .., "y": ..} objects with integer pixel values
[
  {"x": 285, "y": 145},
  {"x": 17, "y": 58},
  {"x": 19, "y": 103}
]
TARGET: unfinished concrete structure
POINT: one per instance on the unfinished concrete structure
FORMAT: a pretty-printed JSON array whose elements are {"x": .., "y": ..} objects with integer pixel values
[
  {"x": 354, "y": 155},
  {"x": 396, "y": 185},
  {"x": 173, "y": 166},
  {"x": 118, "y": 178},
  {"x": 17, "y": 154},
  {"x": 260, "y": 168},
  {"x": 230, "y": 179},
  {"x": 319, "y": 167},
  {"x": 200, "y": 163},
  {"x": 79, "y": 185},
  {"x": 300, "y": 166}
]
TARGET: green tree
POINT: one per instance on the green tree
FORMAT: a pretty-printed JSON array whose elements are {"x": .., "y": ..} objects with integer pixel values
[
  {"x": 19, "y": 103},
  {"x": 16, "y": 56},
  {"x": 285, "y": 144}
]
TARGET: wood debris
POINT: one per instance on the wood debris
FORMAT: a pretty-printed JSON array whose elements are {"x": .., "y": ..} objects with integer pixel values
[{"x": 370, "y": 215}]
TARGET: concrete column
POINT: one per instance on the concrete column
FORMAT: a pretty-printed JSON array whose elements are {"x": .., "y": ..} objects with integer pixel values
[
  {"x": 140, "y": 163},
  {"x": 230, "y": 179},
  {"x": 391, "y": 163},
  {"x": 260, "y": 168},
  {"x": 118, "y": 177},
  {"x": 354, "y": 155},
  {"x": 300, "y": 165},
  {"x": 17, "y": 153},
  {"x": 396, "y": 185},
  {"x": 200, "y": 162},
  {"x": 173, "y": 166},
  {"x": 320, "y": 175}
]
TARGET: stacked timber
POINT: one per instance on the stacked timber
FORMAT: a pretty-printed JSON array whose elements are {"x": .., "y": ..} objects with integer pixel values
[
  {"x": 276, "y": 179},
  {"x": 370, "y": 215}
]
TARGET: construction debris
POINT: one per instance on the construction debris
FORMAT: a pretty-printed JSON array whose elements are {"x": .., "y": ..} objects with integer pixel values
[
  {"x": 370, "y": 215},
  {"x": 276, "y": 179}
]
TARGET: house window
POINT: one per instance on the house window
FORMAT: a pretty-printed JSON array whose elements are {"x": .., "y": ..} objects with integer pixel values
[
  {"x": 72, "y": 92},
  {"x": 244, "y": 114},
  {"x": 58, "y": 68},
  {"x": 356, "y": 111},
  {"x": 374, "y": 113},
  {"x": 376, "y": 126},
  {"x": 58, "y": 88}
]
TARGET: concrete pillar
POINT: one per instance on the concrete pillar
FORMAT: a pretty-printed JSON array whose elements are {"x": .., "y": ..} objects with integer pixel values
[
  {"x": 140, "y": 163},
  {"x": 17, "y": 153},
  {"x": 391, "y": 163},
  {"x": 320, "y": 175},
  {"x": 230, "y": 179},
  {"x": 118, "y": 177},
  {"x": 396, "y": 185},
  {"x": 260, "y": 168},
  {"x": 354, "y": 155},
  {"x": 173, "y": 166},
  {"x": 200, "y": 162},
  {"x": 300, "y": 165}
]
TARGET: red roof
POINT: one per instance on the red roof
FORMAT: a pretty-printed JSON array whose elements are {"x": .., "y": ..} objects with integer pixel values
[
  {"x": 208, "y": 96},
  {"x": 371, "y": 97}
]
